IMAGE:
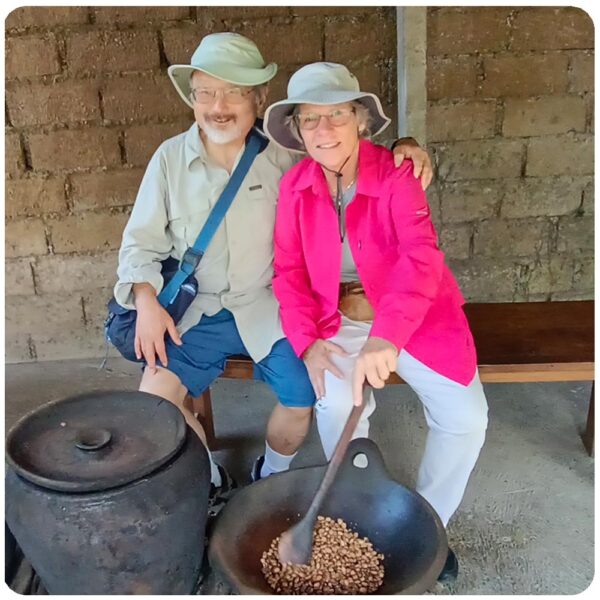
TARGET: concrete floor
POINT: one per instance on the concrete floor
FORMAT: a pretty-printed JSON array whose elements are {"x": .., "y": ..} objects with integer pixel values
[{"x": 526, "y": 525}]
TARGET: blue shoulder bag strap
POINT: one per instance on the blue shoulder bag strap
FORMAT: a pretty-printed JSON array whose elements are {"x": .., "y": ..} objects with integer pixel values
[{"x": 192, "y": 256}]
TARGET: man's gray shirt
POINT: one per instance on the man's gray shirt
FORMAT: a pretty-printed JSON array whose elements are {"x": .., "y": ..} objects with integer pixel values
[{"x": 180, "y": 187}]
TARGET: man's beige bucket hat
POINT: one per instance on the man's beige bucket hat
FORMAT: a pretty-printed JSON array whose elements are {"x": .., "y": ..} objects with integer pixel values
[{"x": 227, "y": 56}]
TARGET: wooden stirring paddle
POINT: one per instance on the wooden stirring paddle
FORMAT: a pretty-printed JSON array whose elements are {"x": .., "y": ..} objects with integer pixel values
[{"x": 295, "y": 544}]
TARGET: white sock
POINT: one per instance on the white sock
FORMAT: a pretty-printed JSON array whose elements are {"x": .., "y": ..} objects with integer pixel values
[
  {"x": 275, "y": 462},
  {"x": 215, "y": 476}
]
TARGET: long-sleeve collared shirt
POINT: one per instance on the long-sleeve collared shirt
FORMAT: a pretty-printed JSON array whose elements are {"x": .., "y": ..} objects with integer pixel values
[
  {"x": 179, "y": 189},
  {"x": 416, "y": 300}
]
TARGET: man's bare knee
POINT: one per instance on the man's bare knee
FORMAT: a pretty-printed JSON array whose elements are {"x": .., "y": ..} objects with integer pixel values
[
  {"x": 163, "y": 383},
  {"x": 167, "y": 385}
]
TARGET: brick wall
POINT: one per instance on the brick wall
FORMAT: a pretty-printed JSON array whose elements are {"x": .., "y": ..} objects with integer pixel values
[
  {"x": 510, "y": 124},
  {"x": 88, "y": 101},
  {"x": 509, "y": 118}
]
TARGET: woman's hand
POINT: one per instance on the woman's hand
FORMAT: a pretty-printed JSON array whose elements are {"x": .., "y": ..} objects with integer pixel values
[
  {"x": 317, "y": 360},
  {"x": 409, "y": 148},
  {"x": 152, "y": 322},
  {"x": 375, "y": 362}
]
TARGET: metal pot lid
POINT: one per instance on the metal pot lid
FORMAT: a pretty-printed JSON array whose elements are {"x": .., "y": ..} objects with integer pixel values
[{"x": 95, "y": 441}]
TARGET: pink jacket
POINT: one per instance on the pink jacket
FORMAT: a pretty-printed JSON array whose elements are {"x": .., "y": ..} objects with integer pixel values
[{"x": 416, "y": 300}]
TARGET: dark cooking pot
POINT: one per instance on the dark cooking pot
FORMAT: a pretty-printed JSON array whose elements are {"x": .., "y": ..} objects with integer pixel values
[
  {"x": 401, "y": 524},
  {"x": 107, "y": 493}
]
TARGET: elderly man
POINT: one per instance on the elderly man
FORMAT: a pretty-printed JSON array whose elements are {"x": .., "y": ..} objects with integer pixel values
[{"x": 235, "y": 311}]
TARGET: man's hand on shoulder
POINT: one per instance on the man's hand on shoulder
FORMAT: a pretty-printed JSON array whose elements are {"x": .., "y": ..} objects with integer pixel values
[{"x": 409, "y": 148}]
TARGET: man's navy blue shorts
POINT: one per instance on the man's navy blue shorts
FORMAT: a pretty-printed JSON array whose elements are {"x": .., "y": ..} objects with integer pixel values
[{"x": 202, "y": 356}]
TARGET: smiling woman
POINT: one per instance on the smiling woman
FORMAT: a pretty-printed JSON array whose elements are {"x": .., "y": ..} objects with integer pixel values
[{"x": 382, "y": 252}]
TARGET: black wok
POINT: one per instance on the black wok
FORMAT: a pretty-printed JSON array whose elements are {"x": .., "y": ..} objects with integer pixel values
[{"x": 400, "y": 523}]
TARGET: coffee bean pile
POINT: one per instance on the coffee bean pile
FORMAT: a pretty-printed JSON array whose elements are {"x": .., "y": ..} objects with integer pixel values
[{"x": 341, "y": 563}]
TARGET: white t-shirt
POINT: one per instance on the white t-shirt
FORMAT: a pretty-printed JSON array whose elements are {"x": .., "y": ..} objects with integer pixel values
[{"x": 349, "y": 272}]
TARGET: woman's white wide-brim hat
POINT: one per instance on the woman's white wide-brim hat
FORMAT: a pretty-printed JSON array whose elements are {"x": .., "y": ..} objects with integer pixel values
[
  {"x": 227, "y": 56},
  {"x": 319, "y": 83}
]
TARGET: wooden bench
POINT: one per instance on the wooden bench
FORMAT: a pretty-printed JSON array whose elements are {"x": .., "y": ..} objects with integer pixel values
[{"x": 516, "y": 342}]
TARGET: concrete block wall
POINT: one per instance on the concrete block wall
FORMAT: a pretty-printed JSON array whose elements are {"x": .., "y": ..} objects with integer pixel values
[
  {"x": 509, "y": 119},
  {"x": 88, "y": 101},
  {"x": 510, "y": 124}
]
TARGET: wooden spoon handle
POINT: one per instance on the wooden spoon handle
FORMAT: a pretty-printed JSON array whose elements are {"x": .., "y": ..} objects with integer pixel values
[{"x": 338, "y": 456}]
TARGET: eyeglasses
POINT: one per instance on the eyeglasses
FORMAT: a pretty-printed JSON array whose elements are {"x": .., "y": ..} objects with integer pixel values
[
  {"x": 336, "y": 118},
  {"x": 232, "y": 95}
]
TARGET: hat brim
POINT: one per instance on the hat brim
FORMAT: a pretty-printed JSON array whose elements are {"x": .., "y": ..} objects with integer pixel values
[
  {"x": 280, "y": 134},
  {"x": 180, "y": 76}
]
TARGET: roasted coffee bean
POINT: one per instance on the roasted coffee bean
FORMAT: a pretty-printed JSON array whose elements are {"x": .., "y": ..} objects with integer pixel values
[{"x": 341, "y": 563}]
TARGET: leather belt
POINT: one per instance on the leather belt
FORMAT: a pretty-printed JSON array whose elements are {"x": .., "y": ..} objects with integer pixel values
[{"x": 353, "y": 302}]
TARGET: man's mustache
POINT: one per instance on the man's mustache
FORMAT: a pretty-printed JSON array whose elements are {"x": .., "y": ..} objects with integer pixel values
[{"x": 213, "y": 117}]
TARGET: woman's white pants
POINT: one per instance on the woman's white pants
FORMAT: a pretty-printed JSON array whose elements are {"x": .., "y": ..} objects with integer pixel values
[{"x": 456, "y": 416}]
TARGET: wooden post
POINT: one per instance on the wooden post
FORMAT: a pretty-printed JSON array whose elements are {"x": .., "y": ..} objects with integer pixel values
[
  {"x": 202, "y": 407},
  {"x": 588, "y": 435}
]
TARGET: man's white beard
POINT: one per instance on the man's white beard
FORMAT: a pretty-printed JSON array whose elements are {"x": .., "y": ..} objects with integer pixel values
[{"x": 220, "y": 136}]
